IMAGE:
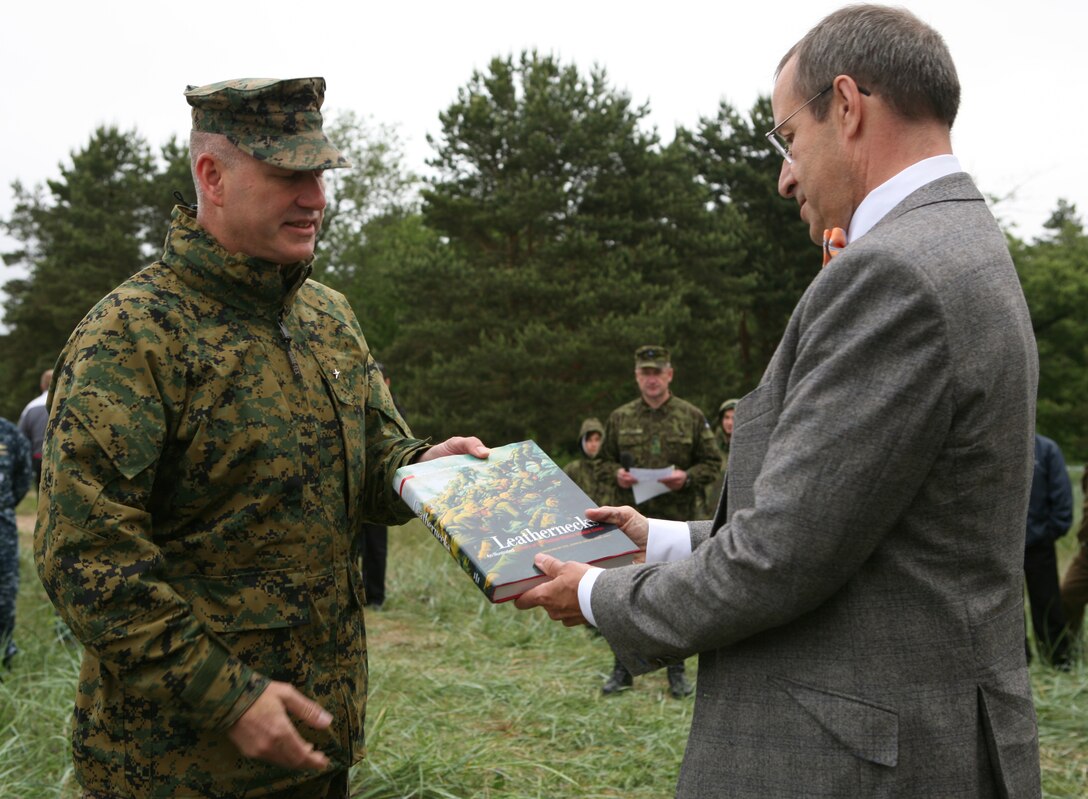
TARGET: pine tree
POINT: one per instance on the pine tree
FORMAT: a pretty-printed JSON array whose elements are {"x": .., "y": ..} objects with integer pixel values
[
  {"x": 1054, "y": 273},
  {"x": 573, "y": 237},
  {"x": 103, "y": 219}
]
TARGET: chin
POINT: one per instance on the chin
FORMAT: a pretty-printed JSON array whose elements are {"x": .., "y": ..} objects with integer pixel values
[{"x": 295, "y": 254}]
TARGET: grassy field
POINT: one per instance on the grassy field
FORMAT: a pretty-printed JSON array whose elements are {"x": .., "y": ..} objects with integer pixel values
[{"x": 468, "y": 700}]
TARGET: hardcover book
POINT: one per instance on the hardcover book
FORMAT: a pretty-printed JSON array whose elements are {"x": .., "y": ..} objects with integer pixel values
[{"x": 493, "y": 515}]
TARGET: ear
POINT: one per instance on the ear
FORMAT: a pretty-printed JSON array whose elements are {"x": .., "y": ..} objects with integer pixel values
[
  {"x": 209, "y": 174},
  {"x": 847, "y": 105}
]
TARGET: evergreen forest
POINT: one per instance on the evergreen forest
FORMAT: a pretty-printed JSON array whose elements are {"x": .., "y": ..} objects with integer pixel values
[{"x": 506, "y": 290}]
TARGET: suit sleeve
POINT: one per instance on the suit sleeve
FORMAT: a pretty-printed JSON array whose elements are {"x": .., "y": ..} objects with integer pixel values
[{"x": 865, "y": 400}]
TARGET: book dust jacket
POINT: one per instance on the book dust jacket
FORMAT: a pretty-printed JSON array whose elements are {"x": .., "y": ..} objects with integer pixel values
[{"x": 494, "y": 515}]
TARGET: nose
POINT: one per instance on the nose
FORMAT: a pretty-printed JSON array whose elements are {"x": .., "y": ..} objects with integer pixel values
[
  {"x": 312, "y": 191},
  {"x": 787, "y": 184}
]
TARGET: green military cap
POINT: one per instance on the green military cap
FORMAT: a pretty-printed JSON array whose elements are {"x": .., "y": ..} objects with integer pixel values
[
  {"x": 651, "y": 356},
  {"x": 725, "y": 406},
  {"x": 277, "y": 121}
]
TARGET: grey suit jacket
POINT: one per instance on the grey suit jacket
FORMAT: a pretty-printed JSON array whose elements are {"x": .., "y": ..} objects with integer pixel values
[{"x": 857, "y": 605}]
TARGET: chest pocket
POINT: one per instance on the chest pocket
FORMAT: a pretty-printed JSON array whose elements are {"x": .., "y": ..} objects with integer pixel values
[
  {"x": 677, "y": 447},
  {"x": 629, "y": 437},
  {"x": 344, "y": 367},
  {"x": 755, "y": 421}
]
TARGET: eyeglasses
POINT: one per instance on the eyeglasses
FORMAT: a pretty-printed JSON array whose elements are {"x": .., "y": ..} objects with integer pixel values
[{"x": 775, "y": 138}]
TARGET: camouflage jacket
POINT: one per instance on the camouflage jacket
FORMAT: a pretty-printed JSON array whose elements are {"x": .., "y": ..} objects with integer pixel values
[
  {"x": 675, "y": 434},
  {"x": 592, "y": 474},
  {"x": 16, "y": 474},
  {"x": 219, "y": 432},
  {"x": 594, "y": 477}
]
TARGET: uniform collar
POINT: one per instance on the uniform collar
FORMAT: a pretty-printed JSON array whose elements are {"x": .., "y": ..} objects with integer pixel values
[
  {"x": 661, "y": 407},
  {"x": 251, "y": 284}
]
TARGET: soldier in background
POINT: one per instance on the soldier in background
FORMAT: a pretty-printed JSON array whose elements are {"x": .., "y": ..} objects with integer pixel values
[
  {"x": 723, "y": 436},
  {"x": 218, "y": 433},
  {"x": 1075, "y": 582},
  {"x": 15, "y": 476},
  {"x": 654, "y": 431},
  {"x": 590, "y": 472}
]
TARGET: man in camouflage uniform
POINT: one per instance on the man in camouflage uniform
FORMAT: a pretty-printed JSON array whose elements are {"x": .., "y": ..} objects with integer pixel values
[
  {"x": 218, "y": 433},
  {"x": 15, "y": 477},
  {"x": 723, "y": 435},
  {"x": 654, "y": 431},
  {"x": 590, "y": 472}
]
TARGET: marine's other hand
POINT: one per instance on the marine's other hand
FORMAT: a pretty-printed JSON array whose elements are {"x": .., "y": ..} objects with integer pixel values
[
  {"x": 633, "y": 523},
  {"x": 265, "y": 731},
  {"x": 458, "y": 445}
]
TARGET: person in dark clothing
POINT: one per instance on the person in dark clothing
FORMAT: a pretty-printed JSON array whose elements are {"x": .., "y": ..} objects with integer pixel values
[
  {"x": 32, "y": 423},
  {"x": 15, "y": 476},
  {"x": 1050, "y": 514}
]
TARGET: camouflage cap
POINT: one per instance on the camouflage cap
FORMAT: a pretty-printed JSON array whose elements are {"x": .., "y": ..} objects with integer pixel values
[
  {"x": 277, "y": 121},
  {"x": 727, "y": 405},
  {"x": 651, "y": 356}
]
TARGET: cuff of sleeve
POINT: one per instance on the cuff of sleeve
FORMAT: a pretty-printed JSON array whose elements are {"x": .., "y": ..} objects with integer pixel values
[
  {"x": 222, "y": 688},
  {"x": 585, "y": 592},
  {"x": 255, "y": 686},
  {"x": 667, "y": 540}
]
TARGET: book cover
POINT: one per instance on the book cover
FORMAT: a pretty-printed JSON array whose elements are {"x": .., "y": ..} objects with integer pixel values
[{"x": 493, "y": 515}]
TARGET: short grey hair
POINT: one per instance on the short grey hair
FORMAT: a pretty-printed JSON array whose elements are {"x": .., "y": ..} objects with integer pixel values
[
  {"x": 888, "y": 51},
  {"x": 214, "y": 144}
]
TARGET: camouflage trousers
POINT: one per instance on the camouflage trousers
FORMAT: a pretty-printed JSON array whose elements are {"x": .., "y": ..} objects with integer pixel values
[{"x": 9, "y": 582}]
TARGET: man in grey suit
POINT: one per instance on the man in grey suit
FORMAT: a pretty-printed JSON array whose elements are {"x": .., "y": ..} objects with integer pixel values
[{"x": 856, "y": 603}]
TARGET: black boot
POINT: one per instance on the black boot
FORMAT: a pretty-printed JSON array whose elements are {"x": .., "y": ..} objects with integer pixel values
[
  {"x": 678, "y": 684},
  {"x": 620, "y": 680}
]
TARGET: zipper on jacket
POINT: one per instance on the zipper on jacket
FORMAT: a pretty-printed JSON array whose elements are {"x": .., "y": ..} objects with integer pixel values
[{"x": 285, "y": 333}]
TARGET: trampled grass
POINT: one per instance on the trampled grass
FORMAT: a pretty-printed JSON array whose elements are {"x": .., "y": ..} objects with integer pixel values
[{"x": 468, "y": 700}]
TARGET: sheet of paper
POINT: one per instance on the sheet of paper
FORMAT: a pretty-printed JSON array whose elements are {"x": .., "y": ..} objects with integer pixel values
[{"x": 649, "y": 485}]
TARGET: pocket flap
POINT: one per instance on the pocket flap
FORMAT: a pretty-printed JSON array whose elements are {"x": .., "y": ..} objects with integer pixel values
[
  {"x": 131, "y": 436},
  {"x": 252, "y": 601},
  {"x": 869, "y": 731}
]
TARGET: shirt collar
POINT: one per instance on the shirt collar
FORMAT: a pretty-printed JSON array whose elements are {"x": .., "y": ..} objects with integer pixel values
[{"x": 893, "y": 191}]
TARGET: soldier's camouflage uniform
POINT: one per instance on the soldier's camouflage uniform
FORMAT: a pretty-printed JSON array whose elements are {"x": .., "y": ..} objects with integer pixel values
[
  {"x": 675, "y": 434},
  {"x": 592, "y": 474},
  {"x": 714, "y": 488},
  {"x": 15, "y": 477},
  {"x": 219, "y": 432}
]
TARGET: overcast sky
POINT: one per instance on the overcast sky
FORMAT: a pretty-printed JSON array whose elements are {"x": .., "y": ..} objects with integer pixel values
[{"x": 72, "y": 66}]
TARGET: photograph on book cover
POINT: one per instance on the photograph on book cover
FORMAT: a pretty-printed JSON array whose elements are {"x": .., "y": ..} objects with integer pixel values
[{"x": 494, "y": 515}]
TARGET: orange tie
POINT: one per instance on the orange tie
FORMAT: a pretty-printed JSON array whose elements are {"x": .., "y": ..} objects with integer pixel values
[{"x": 834, "y": 241}]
